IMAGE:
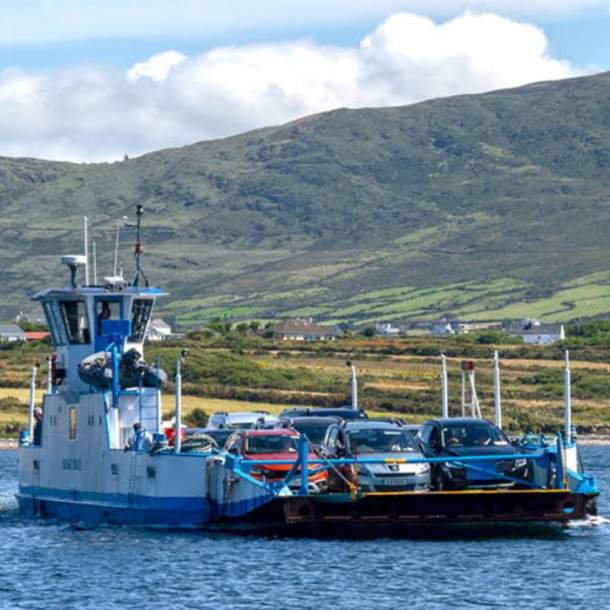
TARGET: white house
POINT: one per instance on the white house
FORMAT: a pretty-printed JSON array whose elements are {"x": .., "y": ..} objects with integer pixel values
[
  {"x": 443, "y": 327},
  {"x": 536, "y": 333},
  {"x": 385, "y": 329},
  {"x": 11, "y": 332},
  {"x": 302, "y": 329},
  {"x": 159, "y": 330}
]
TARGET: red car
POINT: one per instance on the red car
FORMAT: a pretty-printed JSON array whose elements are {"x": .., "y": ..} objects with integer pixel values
[{"x": 277, "y": 444}]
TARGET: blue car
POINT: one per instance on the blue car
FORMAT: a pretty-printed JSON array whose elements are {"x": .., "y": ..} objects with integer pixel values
[{"x": 464, "y": 437}]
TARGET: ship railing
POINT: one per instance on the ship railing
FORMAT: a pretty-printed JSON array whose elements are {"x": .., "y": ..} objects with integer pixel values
[{"x": 551, "y": 461}]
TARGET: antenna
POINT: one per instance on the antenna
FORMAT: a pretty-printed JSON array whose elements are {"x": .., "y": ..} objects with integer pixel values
[
  {"x": 139, "y": 249},
  {"x": 94, "y": 264},
  {"x": 116, "y": 247}
]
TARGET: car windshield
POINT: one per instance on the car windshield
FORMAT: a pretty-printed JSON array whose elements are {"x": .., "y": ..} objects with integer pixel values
[
  {"x": 271, "y": 443},
  {"x": 381, "y": 440},
  {"x": 473, "y": 435},
  {"x": 220, "y": 436},
  {"x": 315, "y": 432}
]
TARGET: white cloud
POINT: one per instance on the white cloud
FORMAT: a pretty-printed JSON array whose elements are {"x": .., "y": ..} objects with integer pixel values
[
  {"x": 157, "y": 67},
  {"x": 94, "y": 113}
]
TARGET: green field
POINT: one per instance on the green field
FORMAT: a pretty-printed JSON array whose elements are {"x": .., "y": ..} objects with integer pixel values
[{"x": 397, "y": 377}]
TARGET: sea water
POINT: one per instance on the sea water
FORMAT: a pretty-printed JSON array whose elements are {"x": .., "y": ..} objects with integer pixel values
[{"x": 50, "y": 565}]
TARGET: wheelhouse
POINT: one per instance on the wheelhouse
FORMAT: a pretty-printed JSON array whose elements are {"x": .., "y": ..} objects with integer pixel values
[{"x": 76, "y": 316}]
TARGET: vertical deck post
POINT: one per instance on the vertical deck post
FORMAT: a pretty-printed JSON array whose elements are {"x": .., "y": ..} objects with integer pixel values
[
  {"x": 463, "y": 395},
  {"x": 49, "y": 374},
  {"x": 32, "y": 404},
  {"x": 567, "y": 400},
  {"x": 354, "y": 387},
  {"x": 475, "y": 409},
  {"x": 115, "y": 375},
  {"x": 304, "y": 461},
  {"x": 158, "y": 366},
  {"x": 444, "y": 388},
  {"x": 497, "y": 398},
  {"x": 177, "y": 433},
  {"x": 560, "y": 472}
]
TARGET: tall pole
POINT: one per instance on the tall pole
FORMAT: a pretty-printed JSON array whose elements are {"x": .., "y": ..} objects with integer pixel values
[
  {"x": 567, "y": 400},
  {"x": 177, "y": 439},
  {"x": 116, "y": 250},
  {"x": 86, "y": 244},
  {"x": 94, "y": 254},
  {"x": 498, "y": 400},
  {"x": 354, "y": 387},
  {"x": 444, "y": 388},
  {"x": 32, "y": 404}
]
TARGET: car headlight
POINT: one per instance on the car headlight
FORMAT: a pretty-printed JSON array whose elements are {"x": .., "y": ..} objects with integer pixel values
[
  {"x": 520, "y": 463},
  {"x": 422, "y": 468}
]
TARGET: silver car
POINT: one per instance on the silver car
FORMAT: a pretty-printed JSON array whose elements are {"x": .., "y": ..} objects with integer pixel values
[
  {"x": 391, "y": 449},
  {"x": 241, "y": 419}
]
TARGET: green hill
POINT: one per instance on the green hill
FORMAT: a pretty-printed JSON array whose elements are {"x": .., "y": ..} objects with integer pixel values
[{"x": 487, "y": 206}]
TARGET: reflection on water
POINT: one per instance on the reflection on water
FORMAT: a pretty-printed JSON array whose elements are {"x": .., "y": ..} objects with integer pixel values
[{"x": 56, "y": 566}]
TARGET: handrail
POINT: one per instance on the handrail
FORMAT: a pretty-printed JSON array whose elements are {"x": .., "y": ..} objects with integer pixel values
[
  {"x": 304, "y": 466},
  {"x": 422, "y": 460}
]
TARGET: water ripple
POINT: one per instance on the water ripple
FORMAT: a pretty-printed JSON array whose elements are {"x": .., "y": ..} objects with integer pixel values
[{"x": 57, "y": 566}]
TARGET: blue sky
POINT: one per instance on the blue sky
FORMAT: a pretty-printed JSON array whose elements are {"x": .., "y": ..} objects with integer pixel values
[
  {"x": 93, "y": 80},
  {"x": 41, "y": 34}
]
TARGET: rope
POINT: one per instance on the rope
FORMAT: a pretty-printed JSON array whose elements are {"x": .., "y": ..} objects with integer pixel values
[{"x": 353, "y": 488}]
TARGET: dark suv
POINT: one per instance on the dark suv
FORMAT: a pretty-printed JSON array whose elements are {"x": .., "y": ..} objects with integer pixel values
[
  {"x": 314, "y": 427},
  {"x": 342, "y": 412},
  {"x": 462, "y": 437}
]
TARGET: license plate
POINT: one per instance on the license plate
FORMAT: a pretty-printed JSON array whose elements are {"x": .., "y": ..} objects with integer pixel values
[{"x": 395, "y": 481}]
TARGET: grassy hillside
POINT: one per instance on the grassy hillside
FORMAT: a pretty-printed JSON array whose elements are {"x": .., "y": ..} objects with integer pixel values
[{"x": 472, "y": 205}]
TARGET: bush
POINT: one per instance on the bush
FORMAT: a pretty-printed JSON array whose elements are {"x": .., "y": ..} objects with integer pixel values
[
  {"x": 10, "y": 428},
  {"x": 197, "y": 418},
  {"x": 10, "y": 403}
]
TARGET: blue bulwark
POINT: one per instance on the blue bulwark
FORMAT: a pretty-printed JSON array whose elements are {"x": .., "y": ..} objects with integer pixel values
[{"x": 116, "y": 328}]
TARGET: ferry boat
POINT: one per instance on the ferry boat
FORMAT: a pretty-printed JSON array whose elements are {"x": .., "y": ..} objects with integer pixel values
[{"x": 85, "y": 460}]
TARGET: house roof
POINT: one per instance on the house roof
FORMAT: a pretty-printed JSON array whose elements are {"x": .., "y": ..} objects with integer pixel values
[
  {"x": 36, "y": 335},
  {"x": 160, "y": 325},
  {"x": 300, "y": 326},
  {"x": 11, "y": 329}
]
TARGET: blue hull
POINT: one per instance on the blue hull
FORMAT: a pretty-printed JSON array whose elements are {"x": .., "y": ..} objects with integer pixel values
[{"x": 188, "y": 513}]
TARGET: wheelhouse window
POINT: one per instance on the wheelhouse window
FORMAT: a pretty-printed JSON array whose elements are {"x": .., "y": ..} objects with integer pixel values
[
  {"x": 76, "y": 321},
  {"x": 55, "y": 324},
  {"x": 106, "y": 310},
  {"x": 72, "y": 423},
  {"x": 140, "y": 313}
]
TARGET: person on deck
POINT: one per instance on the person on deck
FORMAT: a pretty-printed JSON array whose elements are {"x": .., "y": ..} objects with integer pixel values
[
  {"x": 37, "y": 426},
  {"x": 141, "y": 440}
]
